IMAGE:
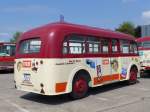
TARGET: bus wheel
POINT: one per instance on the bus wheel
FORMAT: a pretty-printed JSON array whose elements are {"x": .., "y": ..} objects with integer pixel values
[
  {"x": 80, "y": 87},
  {"x": 133, "y": 75}
]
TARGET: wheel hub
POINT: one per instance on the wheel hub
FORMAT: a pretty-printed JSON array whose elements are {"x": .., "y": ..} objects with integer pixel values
[{"x": 80, "y": 87}]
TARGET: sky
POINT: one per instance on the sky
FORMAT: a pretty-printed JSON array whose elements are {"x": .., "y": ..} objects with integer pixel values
[{"x": 23, "y": 15}]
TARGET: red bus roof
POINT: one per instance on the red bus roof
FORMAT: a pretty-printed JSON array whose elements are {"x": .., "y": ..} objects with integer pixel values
[
  {"x": 58, "y": 26},
  {"x": 142, "y": 39},
  {"x": 53, "y": 35}
]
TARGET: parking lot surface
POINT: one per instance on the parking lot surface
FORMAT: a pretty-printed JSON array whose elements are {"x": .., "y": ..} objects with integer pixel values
[{"x": 117, "y": 97}]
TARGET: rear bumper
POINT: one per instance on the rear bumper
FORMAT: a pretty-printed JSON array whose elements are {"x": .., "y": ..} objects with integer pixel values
[{"x": 38, "y": 91}]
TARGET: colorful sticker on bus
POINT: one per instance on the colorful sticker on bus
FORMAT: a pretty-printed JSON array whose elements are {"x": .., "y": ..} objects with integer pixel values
[
  {"x": 123, "y": 72},
  {"x": 114, "y": 65},
  {"x": 95, "y": 64},
  {"x": 91, "y": 63}
]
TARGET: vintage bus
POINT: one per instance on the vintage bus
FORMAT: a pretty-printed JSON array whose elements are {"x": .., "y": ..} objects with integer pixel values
[
  {"x": 7, "y": 55},
  {"x": 61, "y": 58},
  {"x": 144, "y": 52}
]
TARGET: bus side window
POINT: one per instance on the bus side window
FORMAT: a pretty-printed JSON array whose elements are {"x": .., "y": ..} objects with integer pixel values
[
  {"x": 93, "y": 44},
  {"x": 114, "y": 46},
  {"x": 74, "y": 45},
  {"x": 124, "y": 45},
  {"x": 133, "y": 48},
  {"x": 105, "y": 45}
]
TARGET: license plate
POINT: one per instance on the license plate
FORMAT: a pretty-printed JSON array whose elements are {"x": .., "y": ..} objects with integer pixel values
[{"x": 27, "y": 77}]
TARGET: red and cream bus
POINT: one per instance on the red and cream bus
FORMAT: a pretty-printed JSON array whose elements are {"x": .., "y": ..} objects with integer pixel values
[
  {"x": 144, "y": 52},
  {"x": 7, "y": 55},
  {"x": 61, "y": 58}
]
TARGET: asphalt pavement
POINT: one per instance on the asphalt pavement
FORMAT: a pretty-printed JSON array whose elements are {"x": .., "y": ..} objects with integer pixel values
[{"x": 117, "y": 97}]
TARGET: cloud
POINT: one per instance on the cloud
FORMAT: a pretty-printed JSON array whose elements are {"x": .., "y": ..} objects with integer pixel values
[
  {"x": 4, "y": 34},
  {"x": 128, "y": 1},
  {"x": 146, "y": 16},
  {"x": 29, "y": 9},
  {"x": 4, "y": 37}
]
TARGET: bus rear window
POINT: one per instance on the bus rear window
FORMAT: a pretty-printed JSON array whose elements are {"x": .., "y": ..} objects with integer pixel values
[{"x": 30, "y": 46}]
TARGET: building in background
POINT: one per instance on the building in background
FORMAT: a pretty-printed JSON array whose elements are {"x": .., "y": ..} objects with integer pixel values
[{"x": 145, "y": 30}]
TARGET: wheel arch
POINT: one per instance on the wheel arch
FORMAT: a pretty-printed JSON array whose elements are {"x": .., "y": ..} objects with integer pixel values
[
  {"x": 74, "y": 73},
  {"x": 130, "y": 67}
]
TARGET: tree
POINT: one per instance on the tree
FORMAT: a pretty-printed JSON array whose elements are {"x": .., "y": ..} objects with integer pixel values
[
  {"x": 138, "y": 31},
  {"x": 16, "y": 36},
  {"x": 127, "y": 27}
]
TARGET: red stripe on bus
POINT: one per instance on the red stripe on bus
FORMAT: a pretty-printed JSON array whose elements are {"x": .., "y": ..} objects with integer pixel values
[
  {"x": 142, "y": 48},
  {"x": 100, "y": 80}
]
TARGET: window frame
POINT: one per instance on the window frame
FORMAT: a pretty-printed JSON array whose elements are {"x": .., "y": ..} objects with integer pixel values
[
  {"x": 100, "y": 53},
  {"x": 117, "y": 44},
  {"x": 68, "y": 47},
  {"x": 133, "y": 43},
  {"x": 99, "y": 45},
  {"x": 109, "y": 46},
  {"x": 121, "y": 47}
]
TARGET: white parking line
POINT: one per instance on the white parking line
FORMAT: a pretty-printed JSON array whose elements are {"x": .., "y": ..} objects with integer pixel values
[
  {"x": 121, "y": 96},
  {"x": 119, "y": 105},
  {"x": 103, "y": 99},
  {"x": 144, "y": 89},
  {"x": 99, "y": 98},
  {"x": 16, "y": 106}
]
